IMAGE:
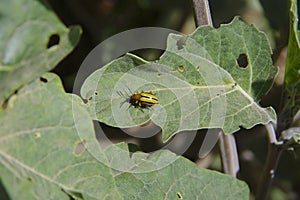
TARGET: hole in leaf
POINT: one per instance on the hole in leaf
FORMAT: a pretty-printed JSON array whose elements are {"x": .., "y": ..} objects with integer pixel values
[
  {"x": 37, "y": 135},
  {"x": 96, "y": 93},
  {"x": 242, "y": 60},
  {"x": 179, "y": 196},
  {"x": 44, "y": 80},
  {"x": 234, "y": 85},
  {"x": 133, "y": 148},
  {"x": 180, "y": 68},
  {"x": 53, "y": 40},
  {"x": 80, "y": 147},
  {"x": 85, "y": 100}
]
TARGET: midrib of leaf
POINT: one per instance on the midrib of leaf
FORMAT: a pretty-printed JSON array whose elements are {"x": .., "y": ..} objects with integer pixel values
[{"x": 194, "y": 87}]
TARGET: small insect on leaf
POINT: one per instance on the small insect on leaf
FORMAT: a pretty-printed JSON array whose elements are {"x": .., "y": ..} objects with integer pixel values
[{"x": 143, "y": 100}]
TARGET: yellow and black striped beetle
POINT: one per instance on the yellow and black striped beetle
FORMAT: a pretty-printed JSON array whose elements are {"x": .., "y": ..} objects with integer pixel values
[{"x": 143, "y": 100}]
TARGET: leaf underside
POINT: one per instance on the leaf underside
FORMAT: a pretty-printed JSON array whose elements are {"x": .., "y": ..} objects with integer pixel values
[
  {"x": 32, "y": 42},
  {"x": 199, "y": 83},
  {"x": 50, "y": 152}
]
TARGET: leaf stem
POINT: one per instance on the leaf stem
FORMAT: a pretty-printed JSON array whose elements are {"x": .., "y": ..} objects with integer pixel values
[{"x": 227, "y": 143}]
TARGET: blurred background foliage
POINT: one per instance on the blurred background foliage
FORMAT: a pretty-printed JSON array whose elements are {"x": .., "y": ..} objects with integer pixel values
[{"x": 101, "y": 19}]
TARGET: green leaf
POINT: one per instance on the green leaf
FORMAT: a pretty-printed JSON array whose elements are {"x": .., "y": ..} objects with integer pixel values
[
  {"x": 181, "y": 178},
  {"x": 198, "y": 82},
  {"x": 48, "y": 150},
  {"x": 292, "y": 70},
  {"x": 27, "y": 28},
  {"x": 227, "y": 45},
  {"x": 291, "y": 137},
  {"x": 39, "y": 141}
]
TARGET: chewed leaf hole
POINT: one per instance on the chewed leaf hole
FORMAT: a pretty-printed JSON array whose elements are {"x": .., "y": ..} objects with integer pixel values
[
  {"x": 85, "y": 101},
  {"x": 29, "y": 179},
  {"x": 37, "y": 135},
  {"x": 80, "y": 148},
  {"x": 179, "y": 196},
  {"x": 242, "y": 60},
  {"x": 53, "y": 40},
  {"x": 180, "y": 68},
  {"x": 44, "y": 80}
]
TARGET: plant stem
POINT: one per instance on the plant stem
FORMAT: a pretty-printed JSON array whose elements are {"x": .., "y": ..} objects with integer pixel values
[
  {"x": 226, "y": 142},
  {"x": 263, "y": 189},
  {"x": 274, "y": 153},
  {"x": 229, "y": 154},
  {"x": 202, "y": 12}
]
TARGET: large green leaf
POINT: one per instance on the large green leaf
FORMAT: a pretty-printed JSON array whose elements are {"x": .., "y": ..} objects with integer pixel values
[
  {"x": 48, "y": 150},
  {"x": 226, "y": 47},
  {"x": 27, "y": 26},
  {"x": 198, "y": 82},
  {"x": 177, "y": 179},
  {"x": 38, "y": 138},
  {"x": 292, "y": 70}
]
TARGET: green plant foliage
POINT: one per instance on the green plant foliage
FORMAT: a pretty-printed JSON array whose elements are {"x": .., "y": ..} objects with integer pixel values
[
  {"x": 45, "y": 141},
  {"x": 181, "y": 178},
  {"x": 291, "y": 137},
  {"x": 227, "y": 45},
  {"x": 38, "y": 141},
  {"x": 28, "y": 28},
  {"x": 210, "y": 79},
  {"x": 292, "y": 70}
]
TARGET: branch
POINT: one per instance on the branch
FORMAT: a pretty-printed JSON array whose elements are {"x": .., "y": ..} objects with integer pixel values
[
  {"x": 226, "y": 142},
  {"x": 202, "y": 12},
  {"x": 289, "y": 139},
  {"x": 273, "y": 157}
]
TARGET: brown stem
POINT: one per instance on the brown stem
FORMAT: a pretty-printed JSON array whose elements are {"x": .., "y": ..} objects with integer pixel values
[
  {"x": 202, "y": 12},
  {"x": 226, "y": 142}
]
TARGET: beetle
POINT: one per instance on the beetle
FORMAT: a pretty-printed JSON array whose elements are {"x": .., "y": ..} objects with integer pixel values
[{"x": 143, "y": 100}]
